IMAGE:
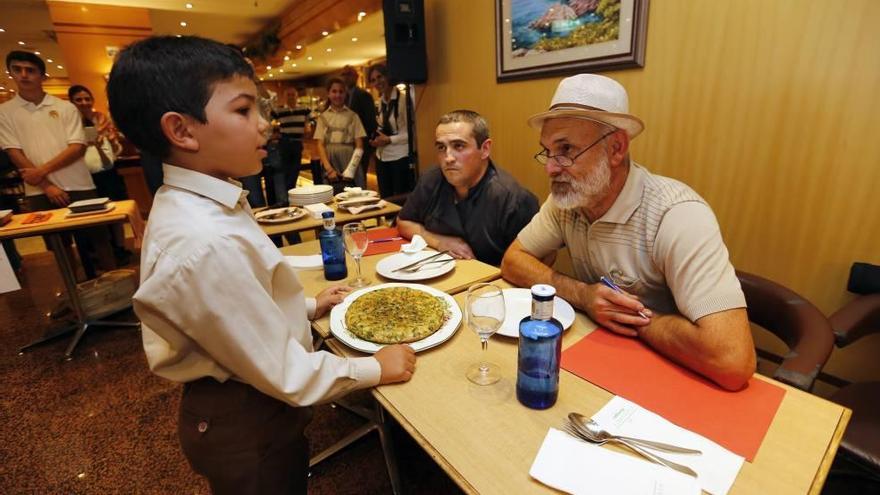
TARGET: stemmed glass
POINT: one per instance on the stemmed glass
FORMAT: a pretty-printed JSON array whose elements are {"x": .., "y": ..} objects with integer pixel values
[
  {"x": 485, "y": 313},
  {"x": 356, "y": 241}
]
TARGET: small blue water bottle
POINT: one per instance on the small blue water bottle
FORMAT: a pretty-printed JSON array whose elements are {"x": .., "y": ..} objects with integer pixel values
[
  {"x": 540, "y": 347},
  {"x": 332, "y": 249}
]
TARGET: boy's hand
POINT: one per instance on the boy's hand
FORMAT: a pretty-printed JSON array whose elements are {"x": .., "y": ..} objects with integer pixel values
[
  {"x": 329, "y": 297},
  {"x": 398, "y": 363}
]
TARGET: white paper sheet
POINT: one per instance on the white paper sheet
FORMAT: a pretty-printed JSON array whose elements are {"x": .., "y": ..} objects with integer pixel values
[
  {"x": 8, "y": 280},
  {"x": 717, "y": 467},
  {"x": 310, "y": 262},
  {"x": 573, "y": 466}
]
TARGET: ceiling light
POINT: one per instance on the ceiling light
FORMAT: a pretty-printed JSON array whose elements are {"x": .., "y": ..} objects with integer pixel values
[
  {"x": 261, "y": 78},
  {"x": 286, "y": 58},
  {"x": 60, "y": 66},
  {"x": 189, "y": 5},
  {"x": 21, "y": 43},
  {"x": 178, "y": 36},
  {"x": 354, "y": 39},
  {"x": 293, "y": 65},
  {"x": 36, "y": 53},
  {"x": 271, "y": 75},
  {"x": 280, "y": 70},
  {"x": 299, "y": 47},
  {"x": 2, "y": 30},
  {"x": 268, "y": 67},
  {"x": 182, "y": 23},
  {"x": 49, "y": 60},
  {"x": 309, "y": 57},
  {"x": 324, "y": 33},
  {"x": 361, "y": 15},
  {"x": 329, "y": 50},
  {"x": 48, "y": 75}
]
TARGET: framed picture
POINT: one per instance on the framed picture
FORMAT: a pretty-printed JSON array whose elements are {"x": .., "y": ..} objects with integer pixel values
[{"x": 540, "y": 38}]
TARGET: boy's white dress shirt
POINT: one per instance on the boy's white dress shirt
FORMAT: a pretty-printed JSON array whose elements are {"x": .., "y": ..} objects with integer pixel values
[{"x": 217, "y": 299}]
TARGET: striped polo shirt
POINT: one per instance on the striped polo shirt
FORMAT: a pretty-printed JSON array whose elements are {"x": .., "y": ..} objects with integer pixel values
[
  {"x": 292, "y": 120},
  {"x": 659, "y": 240}
]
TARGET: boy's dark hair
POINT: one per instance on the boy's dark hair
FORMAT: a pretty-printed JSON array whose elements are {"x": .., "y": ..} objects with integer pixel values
[
  {"x": 23, "y": 56},
  {"x": 335, "y": 80},
  {"x": 481, "y": 127},
  {"x": 167, "y": 74},
  {"x": 77, "y": 88}
]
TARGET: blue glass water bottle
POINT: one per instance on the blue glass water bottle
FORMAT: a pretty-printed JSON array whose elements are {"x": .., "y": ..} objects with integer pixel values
[
  {"x": 332, "y": 249},
  {"x": 540, "y": 346}
]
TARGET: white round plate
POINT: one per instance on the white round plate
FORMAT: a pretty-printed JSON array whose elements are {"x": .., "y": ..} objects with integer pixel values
[
  {"x": 366, "y": 193},
  {"x": 312, "y": 190},
  {"x": 297, "y": 214},
  {"x": 388, "y": 264},
  {"x": 518, "y": 305},
  {"x": 337, "y": 320}
]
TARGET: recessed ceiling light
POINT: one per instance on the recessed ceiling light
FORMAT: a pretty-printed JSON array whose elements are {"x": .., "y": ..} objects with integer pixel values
[
  {"x": 268, "y": 67},
  {"x": 21, "y": 43},
  {"x": 179, "y": 35},
  {"x": 286, "y": 58},
  {"x": 280, "y": 70},
  {"x": 329, "y": 50},
  {"x": 182, "y": 23},
  {"x": 48, "y": 75},
  {"x": 361, "y": 15},
  {"x": 189, "y": 5},
  {"x": 299, "y": 47},
  {"x": 354, "y": 39},
  {"x": 324, "y": 33},
  {"x": 261, "y": 78},
  {"x": 309, "y": 57},
  {"x": 49, "y": 60},
  {"x": 271, "y": 75},
  {"x": 60, "y": 66},
  {"x": 36, "y": 53},
  {"x": 293, "y": 65},
  {"x": 2, "y": 30}
]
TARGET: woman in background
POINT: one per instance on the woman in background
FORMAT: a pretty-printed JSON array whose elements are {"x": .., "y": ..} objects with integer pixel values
[
  {"x": 102, "y": 146},
  {"x": 393, "y": 170},
  {"x": 340, "y": 135}
]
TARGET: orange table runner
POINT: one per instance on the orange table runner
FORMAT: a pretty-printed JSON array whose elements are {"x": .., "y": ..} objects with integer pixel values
[
  {"x": 627, "y": 367},
  {"x": 384, "y": 247}
]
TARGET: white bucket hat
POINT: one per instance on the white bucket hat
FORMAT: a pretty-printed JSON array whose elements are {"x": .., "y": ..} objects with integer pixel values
[{"x": 591, "y": 97}]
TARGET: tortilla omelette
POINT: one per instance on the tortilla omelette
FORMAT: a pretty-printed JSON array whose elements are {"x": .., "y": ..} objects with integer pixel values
[{"x": 395, "y": 315}]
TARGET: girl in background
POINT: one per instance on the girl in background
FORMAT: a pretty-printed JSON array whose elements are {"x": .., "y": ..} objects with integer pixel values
[{"x": 340, "y": 135}]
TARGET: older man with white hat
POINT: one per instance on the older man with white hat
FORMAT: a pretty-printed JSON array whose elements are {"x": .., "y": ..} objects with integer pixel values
[{"x": 648, "y": 257}]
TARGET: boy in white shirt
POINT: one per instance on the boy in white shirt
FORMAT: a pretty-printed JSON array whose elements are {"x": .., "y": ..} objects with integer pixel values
[{"x": 221, "y": 310}]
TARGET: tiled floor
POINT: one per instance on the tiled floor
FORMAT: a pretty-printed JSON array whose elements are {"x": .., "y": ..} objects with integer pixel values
[{"x": 102, "y": 423}]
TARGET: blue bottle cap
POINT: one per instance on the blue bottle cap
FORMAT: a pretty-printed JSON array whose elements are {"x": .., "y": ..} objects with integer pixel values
[{"x": 327, "y": 214}]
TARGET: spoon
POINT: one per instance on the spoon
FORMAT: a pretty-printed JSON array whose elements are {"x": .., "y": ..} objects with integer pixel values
[
  {"x": 579, "y": 431},
  {"x": 598, "y": 433}
]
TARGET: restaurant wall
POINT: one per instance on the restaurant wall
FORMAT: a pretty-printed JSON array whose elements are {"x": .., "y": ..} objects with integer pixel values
[{"x": 767, "y": 109}]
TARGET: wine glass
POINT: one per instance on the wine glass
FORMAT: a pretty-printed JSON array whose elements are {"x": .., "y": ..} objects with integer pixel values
[
  {"x": 356, "y": 241},
  {"x": 484, "y": 309}
]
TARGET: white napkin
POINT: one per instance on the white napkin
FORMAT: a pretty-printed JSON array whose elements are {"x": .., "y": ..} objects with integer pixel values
[
  {"x": 716, "y": 468},
  {"x": 316, "y": 210},
  {"x": 353, "y": 191},
  {"x": 416, "y": 244},
  {"x": 573, "y": 466},
  {"x": 311, "y": 262},
  {"x": 354, "y": 210}
]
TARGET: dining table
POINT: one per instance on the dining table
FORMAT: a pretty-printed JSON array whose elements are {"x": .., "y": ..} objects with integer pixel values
[
  {"x": 341, "y": 215},
  {"x": 486, "y": 441},
  {"x": 59, "y": 222}
]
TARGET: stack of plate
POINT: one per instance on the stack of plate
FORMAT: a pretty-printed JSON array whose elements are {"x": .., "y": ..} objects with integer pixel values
[
  {"x": 309, "y": 195},
  {"x": 88, "y": 205}
]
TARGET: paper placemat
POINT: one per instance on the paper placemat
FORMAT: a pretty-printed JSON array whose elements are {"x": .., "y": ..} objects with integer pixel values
[
  {"x": 627, "y": 367},
  {"x": 384, "y": 247}
]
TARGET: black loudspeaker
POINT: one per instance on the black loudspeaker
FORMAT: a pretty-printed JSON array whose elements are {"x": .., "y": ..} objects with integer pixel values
[{"x": 405, "y": 40}]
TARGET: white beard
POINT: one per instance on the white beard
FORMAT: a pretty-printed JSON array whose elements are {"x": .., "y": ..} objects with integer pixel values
[{"x": 584, "y": 192}]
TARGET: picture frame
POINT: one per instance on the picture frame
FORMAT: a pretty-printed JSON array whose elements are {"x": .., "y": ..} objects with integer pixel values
[{"x": 541, "y": 38}]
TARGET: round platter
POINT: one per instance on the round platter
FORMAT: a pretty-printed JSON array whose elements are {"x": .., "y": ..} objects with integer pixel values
[
  {"x": 337, "y": 320},
  {"x": 280, "y": 215}
]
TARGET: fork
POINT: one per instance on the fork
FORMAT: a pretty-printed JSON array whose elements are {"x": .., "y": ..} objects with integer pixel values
[
  {"x": 419, "y": 267},
  {"x": 573, "y": 430}
]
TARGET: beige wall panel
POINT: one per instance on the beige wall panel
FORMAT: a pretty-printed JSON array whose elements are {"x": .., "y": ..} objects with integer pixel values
[{"x": 767, "y": 109}]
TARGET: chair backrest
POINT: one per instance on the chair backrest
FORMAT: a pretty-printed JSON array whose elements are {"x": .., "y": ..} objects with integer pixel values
[{"x": 800, "y": 324}]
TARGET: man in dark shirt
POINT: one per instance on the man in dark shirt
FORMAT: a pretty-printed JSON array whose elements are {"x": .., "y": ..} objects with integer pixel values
[{"x": 467, "y": 205}]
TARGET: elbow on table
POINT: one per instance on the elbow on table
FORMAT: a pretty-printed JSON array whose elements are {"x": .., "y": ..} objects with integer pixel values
[{"x": 732, "y": 372}]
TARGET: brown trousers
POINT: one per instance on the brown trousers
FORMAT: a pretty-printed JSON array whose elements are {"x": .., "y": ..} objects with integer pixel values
[{"x": 243, "y": 441}]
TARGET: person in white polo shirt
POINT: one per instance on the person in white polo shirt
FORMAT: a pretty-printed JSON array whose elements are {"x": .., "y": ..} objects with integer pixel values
[
  {"x": 44, "y": 138},
  {"x": 648, "y": 257}
]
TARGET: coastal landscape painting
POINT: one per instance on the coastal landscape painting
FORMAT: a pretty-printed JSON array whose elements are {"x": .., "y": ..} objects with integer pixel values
[{"x": 536, "y": 38}]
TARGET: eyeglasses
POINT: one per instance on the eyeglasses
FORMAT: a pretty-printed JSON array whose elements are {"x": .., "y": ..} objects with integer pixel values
[{"x": 566, "y": 161}]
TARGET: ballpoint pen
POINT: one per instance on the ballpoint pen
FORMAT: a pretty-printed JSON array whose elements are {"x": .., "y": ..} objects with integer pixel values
[
  {"x": 386, "y": 239},
  {"x": 611, "y": 285}
]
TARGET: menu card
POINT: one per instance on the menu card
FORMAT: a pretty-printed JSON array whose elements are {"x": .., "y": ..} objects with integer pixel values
[{"x": 627, "y": 367}]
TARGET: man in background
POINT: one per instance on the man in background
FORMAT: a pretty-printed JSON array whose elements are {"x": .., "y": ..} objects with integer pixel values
[{"x": 293, "y": 120}]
